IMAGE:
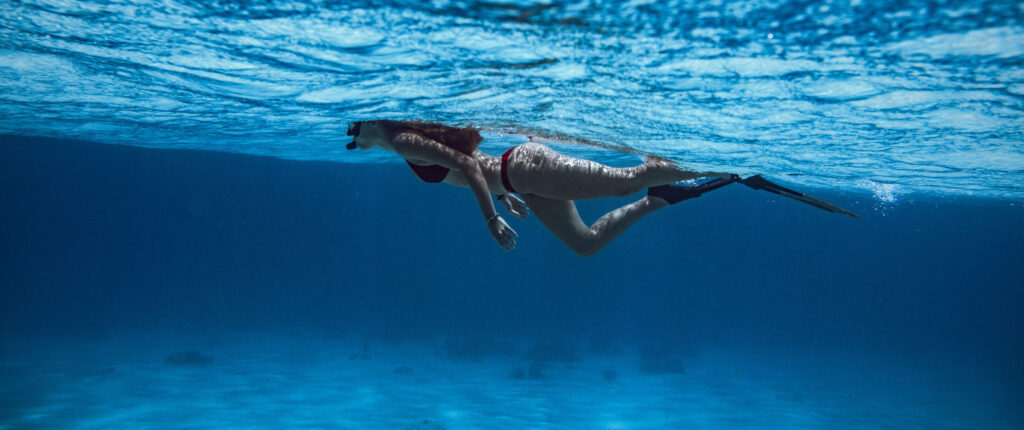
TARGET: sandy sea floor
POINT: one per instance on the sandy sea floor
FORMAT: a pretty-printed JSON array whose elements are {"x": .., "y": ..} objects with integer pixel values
[{"x": 277, "y": 381}]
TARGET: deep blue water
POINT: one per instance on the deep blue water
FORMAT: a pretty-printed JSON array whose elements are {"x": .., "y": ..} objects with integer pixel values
[
  {"x": 172, "y": 178},
  {"x": 103, "y": 241},
  {"x": 98, "y": 237}
]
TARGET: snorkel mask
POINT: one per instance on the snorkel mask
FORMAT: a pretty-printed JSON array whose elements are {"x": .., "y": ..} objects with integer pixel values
[{"x": 353, "y": 130}]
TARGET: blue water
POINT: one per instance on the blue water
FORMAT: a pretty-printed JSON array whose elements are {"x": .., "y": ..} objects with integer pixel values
[
  {"x": 173, "y": 179},
  {"x": 887, "y": 97}
]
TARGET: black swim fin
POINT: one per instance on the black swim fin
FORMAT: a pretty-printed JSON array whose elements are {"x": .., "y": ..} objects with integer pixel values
[
  {"x": 676, "y": 193},
  {"x": 758, "y": 182}
]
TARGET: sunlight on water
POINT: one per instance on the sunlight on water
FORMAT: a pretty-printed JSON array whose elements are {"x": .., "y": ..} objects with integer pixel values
[{"x": 921, "y": 95}]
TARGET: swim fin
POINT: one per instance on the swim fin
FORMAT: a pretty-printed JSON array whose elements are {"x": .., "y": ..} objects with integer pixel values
[
  {"x": 758, "y": 182},
  {"x": 676, "y": 193}
]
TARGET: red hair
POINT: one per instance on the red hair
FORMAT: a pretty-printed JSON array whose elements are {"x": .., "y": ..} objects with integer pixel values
[{"x": 464, "y": 140}]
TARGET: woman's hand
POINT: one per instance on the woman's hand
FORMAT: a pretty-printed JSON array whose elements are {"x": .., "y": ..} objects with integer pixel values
[
  {"x": 515, "y": 206},
  {"x": 502, "y": 233}
]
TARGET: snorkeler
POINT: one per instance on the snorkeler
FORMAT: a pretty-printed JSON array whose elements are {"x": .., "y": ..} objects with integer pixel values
[{"x": 548, "y": 182}]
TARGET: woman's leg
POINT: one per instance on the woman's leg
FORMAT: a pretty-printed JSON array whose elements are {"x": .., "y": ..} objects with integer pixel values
[
  {"x": 537, "y": 169},
  {"x": 562, "y": 218}
]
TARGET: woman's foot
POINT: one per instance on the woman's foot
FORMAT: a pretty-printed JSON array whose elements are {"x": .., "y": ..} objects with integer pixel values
[
  {"x": 676, "y": 193},
  {"x": 672, "y": 194}
]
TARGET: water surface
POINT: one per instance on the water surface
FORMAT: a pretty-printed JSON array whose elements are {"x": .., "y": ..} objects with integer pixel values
[{"x": 886, "y": 97}]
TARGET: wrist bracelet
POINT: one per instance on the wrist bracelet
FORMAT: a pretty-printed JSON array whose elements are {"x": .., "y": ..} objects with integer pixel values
[{"x": 492, "y": 218}]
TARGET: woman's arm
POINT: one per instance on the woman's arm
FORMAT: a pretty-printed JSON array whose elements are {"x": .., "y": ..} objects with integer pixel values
[
  {"x": 513, "y": 205},
  {"x": 412, "y": 146}
]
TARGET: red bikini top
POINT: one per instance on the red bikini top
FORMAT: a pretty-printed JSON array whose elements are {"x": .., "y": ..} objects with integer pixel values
[{"x": 432, "y": 174}]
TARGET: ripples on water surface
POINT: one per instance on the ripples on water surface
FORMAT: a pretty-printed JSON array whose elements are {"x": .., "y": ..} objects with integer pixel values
[{"x": 919, "y": 96}]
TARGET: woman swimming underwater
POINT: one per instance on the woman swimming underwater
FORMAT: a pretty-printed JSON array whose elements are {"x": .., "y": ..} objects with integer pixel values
[{"x": 548, "y": 182}]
